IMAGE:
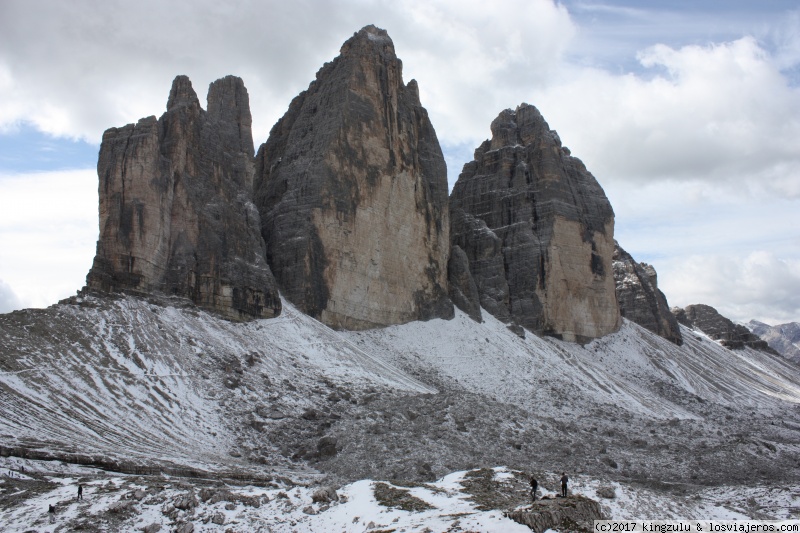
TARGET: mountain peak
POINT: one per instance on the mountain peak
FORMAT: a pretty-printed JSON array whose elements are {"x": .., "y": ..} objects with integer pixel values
[
  {"x": 370, "y": 41},
  {"x": 352, "y": 190},
  {"x": 182, "y": 93}
]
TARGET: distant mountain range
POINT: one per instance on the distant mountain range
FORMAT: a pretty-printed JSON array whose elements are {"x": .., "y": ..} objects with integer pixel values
[{"x": 783, "y": 338}]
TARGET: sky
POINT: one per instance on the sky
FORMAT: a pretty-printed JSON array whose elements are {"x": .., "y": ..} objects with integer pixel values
[{"x": 686, "y": 111}]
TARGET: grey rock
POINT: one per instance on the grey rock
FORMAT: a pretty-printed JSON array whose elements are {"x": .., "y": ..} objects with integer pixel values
[
  {"x": 639, "y": 298},
  {"x": 152, "y": 528},
  {"x": 185, "y": 501},
  {"x": 486, "y": 265},
  {"x": 120, "y": 507},
  {"x": 218, "y": 518},
  {"x": 558, "y": 512},
  {"x": 463, "y": 291},
  {"x": 608, "y": 492},
  {"x": 352, "y": 190},
  {"x": 783, "y": 338},
  {"x": 538, "y": 231},
  {"x": 325, "y": 495},
  {"x": 708, "y": 320},
  {"x": 326, "y": 447},
  {"x": 187, "y": 527},
  {"x": 176, "y": 210}
]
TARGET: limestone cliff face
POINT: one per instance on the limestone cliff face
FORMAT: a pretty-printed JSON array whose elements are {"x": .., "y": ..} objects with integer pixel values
[
  {"x": 538, "y": 231},
  {"x": 463, "y": 291},
  {"x": 352, "y": 190},
  {"x": 639, "y": 298},
  {"x": 176, "y": 210}
]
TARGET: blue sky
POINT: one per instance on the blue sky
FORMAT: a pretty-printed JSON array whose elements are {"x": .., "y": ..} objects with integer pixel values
[
  {"x": 26, "y": 149},
  {"x": 687, "y": 113}
]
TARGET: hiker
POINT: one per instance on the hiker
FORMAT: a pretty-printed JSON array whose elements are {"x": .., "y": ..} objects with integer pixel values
[
  {"x": 564, "y": 481},
  {"x": 534, "y": 486},
  {"x": 52, "y": 512},
  {"x": 80, "y": 491}
]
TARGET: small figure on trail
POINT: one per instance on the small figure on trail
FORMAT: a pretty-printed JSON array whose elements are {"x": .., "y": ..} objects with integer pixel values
[
  {"x": 80, "y": 491},
  {"x": 564, "y": 481},
  {"x": 52, "y": 512},
  {"x": 534, "y": 486}
]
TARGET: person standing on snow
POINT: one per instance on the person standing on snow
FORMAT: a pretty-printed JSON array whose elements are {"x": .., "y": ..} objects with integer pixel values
[
  {"x": 564, "y": 481},
  {"x": 534, "y": 486}
]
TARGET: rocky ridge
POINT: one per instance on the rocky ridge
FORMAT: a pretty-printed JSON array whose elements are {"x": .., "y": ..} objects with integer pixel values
[
  {"x": 708, "y": 320},
  {"x": 538, "y": 231},
  {"x": 783, "y": 338},
  {"x": 639, "y": 298},
  {"x": 176, "y": 214},
  {"x": 352, "y": 190}
]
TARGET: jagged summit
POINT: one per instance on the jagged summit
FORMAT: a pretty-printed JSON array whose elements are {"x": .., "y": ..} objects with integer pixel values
[
  {"x": 352, "y": 190},
  {"x": 372, "y": 36},
  {"x": 176, "y": 215},
  {"x": 182, "y": 93},
  {"x": 538, "y": 231},
  {"x": 640, "y": 299}
]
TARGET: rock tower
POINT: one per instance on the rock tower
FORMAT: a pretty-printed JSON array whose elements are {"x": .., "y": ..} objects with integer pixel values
[
  {"x": 176, "y": 210},
  {"x": 538, "y": 231},
  {"x": 352, "y": 190}
]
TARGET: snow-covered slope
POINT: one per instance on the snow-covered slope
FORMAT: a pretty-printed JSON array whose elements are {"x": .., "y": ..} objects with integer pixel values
[
  {"x": 143, "y": 386},
  {"x": 130, "y": 379}
]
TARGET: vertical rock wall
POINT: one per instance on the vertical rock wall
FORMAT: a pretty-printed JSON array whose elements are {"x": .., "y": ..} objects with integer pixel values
[
  {"x": 538, "y": 231},
  {"x": 639, "y": 298},
  {"x": 352, "y": 190},
  {"x": 176, "y": 210}
]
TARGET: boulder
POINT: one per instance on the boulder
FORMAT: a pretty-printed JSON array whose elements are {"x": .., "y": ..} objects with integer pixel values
[
  {"x": 538, "y": 231},
  {"x": 185, "y": 502},
  {"x": 639, "y": 298},
  {"x": 351, "y": 186},
  {"x": 607, "y": 492},
  {"x": 561, "y": 514},
  {"x": 325, "y": 495},
  {"x": 176, "y": 210}
]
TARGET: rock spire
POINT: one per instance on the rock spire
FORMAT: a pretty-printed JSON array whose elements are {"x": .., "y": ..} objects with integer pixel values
[
  {"x": 176, "y": 210},
  {"x": 538, "y": 231},
  {"x": 352, "y": 190}
]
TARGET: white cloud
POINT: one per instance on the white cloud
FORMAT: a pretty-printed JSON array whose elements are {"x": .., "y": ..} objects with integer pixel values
[
  {"x": 719, "y": 113},
  {"x": 9, "y": 301},
  {"x": 48, "y": 231},
  {"x": 757, "y": 285},
  {"x": 75, "y": 69},
  {"x": 702, "y": 238}
]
